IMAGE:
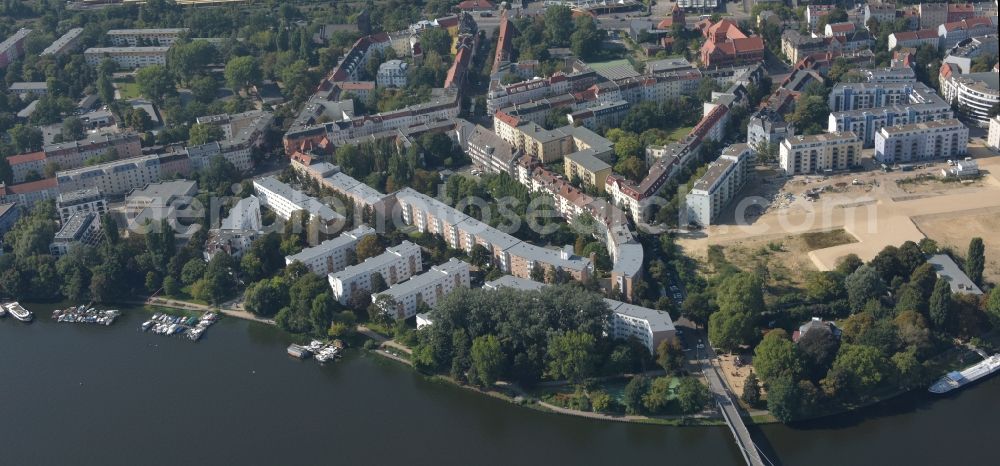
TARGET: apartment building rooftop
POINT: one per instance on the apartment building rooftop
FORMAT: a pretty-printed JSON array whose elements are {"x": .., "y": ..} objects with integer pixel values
[
  {"x": 719, "y": 167},
  {"x": 417, "y": 282},
  {"x": 923, "y": 126},
  {"x": 126, "y": 50},
  {"x": 324, "y": 248},
  {"x": 659, "y": 321},
  {"x": 390, "y": 255},
  {"x": 307, "y": 203},
  {"x": 75, "y": 226},
  {"x": 80, "y": 195},
  {"x": 839, "y": 136},
  {"x": 510, "y": 281}
]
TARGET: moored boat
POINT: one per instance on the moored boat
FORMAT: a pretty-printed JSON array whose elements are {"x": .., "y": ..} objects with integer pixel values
[
  {"x": 19, "y": 312},
  {"x": 958, "y": 379}
]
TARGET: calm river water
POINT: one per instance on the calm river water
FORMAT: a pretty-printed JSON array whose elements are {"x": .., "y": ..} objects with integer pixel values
[{"x": 87, "y": 395}]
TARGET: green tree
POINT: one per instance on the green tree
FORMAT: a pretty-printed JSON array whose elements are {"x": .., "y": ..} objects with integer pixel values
[
  {"x": 728, "y": 330},
  {"x": 776, "y": 356},
  {"x": 571, "y": 356},
  {"x": 824, "y": 287},
  {"x": 242, "y": 72},
  {"x": 634, "y": 394},
  {"x": 862, "y": 285},
  {"x": 369, "y": 246},
  {"x": 940, "y": 308},
  {"x": 154, "y": 82},
  {"x": 692, "y": 395},
  {"x": 193, "y": 271},
  {"x": 993, "y": 303},
  {"x": 558, "y": 25},
  {"x": 72, "y": 129},
  {"x": 658, "y": 396},
  {"x": 171, "y": 287},
  {"x": 857, "y": 371},
  {"x": 586, "y": 40},
  {"x": 601, "y": 401},
  {"x": 487, "y": 359},
  {"x": 25, "y": 138},
  {"x": 138, "y": 120},
  {"x": 784, "y": 399},
  {"x": 751, "y": 390},
  {"x": 670, "y": 355},
  {"x": 975, "y": 260},
  {"x": 204, "y": 133},
  {"x": 105, "y": 89}
]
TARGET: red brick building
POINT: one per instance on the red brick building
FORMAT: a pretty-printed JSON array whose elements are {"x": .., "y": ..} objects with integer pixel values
[{"x": 727, "y": 45}]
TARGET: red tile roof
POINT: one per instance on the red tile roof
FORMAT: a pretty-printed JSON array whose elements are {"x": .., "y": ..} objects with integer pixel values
[
  {"x": 33, "y": 186},
  {"x": 25, "y": 158}
]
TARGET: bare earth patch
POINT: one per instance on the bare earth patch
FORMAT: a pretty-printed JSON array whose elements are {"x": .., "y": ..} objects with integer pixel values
[{"x": 955, "y": 230}]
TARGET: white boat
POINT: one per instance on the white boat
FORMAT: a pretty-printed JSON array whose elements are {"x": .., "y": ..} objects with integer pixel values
[
  {"x": 958, "y": 379},
  {"x": 19, "y": 312}
]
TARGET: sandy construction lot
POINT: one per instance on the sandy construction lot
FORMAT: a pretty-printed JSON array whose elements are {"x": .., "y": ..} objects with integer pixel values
[{"x": 875, "y": 211}]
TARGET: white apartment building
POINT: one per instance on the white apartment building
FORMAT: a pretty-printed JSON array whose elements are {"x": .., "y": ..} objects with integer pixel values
[
  {"x": 127, "y": 57},
  {"x": 112, "y": 178},
  {"x": 245, "y": 215},
  {"x": 164, "y": 37},
  {"x": 855, "y": 96},
  {"x": 424, "y": 289},
  {"x": 649, "y": 326},
  {"x": 396, "y": 264},
  {"x": 81, "y": 201},
  {"x": 331, "y": 255},
  {"x": 392, "y": 74},
  {"x": 284, "y": 200},
  {"x": 921, "y": 141},
  {"x": 80, "y": 228},
  {"x": 867, "y": 122},
  {"x": 719, "y": 185},
  {"x": 976, "y": 94},
  {"x": 993, "y": 138},
  {"x": 64, "y": 44},
  {"x": 819, "y": 153}
]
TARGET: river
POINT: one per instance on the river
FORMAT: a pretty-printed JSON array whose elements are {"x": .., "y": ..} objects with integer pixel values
[{"x": 89, "y": 395}]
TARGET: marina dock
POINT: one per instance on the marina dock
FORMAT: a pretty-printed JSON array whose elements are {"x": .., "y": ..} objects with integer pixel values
[
  {"x": 86, "y": 315},
  {"x": 190, "y": 327}
]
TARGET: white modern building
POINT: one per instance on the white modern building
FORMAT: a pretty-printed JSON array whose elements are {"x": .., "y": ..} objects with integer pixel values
[
  {"x": 113, "y": 178},
  {"x": 144, "y": 37},
  {"x": 649, "y": 326},
  {"x": 245, "y": 215},
  {"x": 921, "y": 141},
  {"x": 993, "y": 139},
  {"x": 975, "y": 93},
  {"x": 79, "y": 229},
  {"x": 81, "y": 201},
  {"x": 867, "y": 122},
  {"x": 767, "y": 126},
  {"x": 332, "y": 255},
  {"x": 719, "y": 185},
  {"x": 392, "y": 74},
  {"x": 396, "y": 264},
  {"x": 403, "y": 299},
  {"x": 819, "y": 153},
  {"x": 284, "y": 200},
  {"x": 127, "y": 57}
]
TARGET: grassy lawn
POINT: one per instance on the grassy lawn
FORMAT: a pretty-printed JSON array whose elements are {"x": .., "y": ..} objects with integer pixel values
[
  {"x": 128, "y": 90},
  {"x": 680, "y": 133},
  {"x": 827, "y": 239}
]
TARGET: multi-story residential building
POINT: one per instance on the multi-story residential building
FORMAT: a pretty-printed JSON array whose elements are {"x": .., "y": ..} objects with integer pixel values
[
  {"x": 81, "y": 201},
  {"x": 649, "y": 326},
  {"x": 27, "y": 194},
  {"x": 839, "y": 29},
  {"x": 884, "y": 13},
  {"x": 245, "y": 215},
  {"x": 12, "y": 47},
  {"x": 767, "y": 126},
  {"x": 963, "y": 53},
  {"x": 856, "y": 96},
  {"x": 9, "y": 215},
  {"x": 921, "y": 141},
  {"x": 914, "y": 39},
  {"x": 145, "y": 37},
  {"x": 364, "y": 197},
  {"x": 591, "y": 171},
  {"x": 488, "y": 151},
  {"x": 463, "y": 232},
  {"x": 402, "y": 300},
  {"x": 392, "y": 74},
  {"x": 867, "y": 122},
  {"x": 797, "y": 46},
  {"x": 235, "y": 243},
  {"x": 903, "y": 74},
  {"x": 127, "y": 57},
  {"x": 158, "y": 201},
  {"x": 953, "y": 33},
  {"x": 79, "y": 229},
  {"x": 22, "y": 89},
  {"x": 67, "y": 43},
  {"x": 719, "y": 185},
  {"x": 993, "y": 137},
  {"x": 73, "y": 154},
  {"x": 331, "y": 255},
  {"x": 727, "y": 45},
  {"x": 603, "y": 115},
  {"x": 397, "y": 264},
  {"x": 284, "y": 200},
  {"x": 820, "y": 153},
  {"x": 550, "y": 145},
  {"x": 120, "y": 176},
  {"x": 700, "y": 5},
  {"x": 932, "y": 15},
  {"x": 815, "y": 12},
  {"x": 23, "y": 166},
  {"x": 974, "y": 93}
]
